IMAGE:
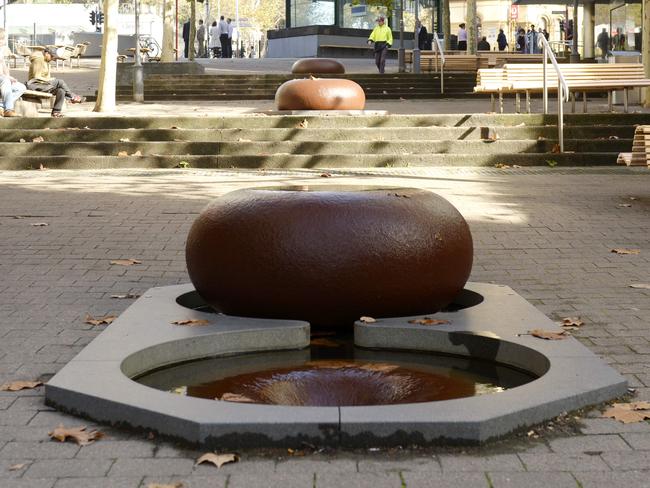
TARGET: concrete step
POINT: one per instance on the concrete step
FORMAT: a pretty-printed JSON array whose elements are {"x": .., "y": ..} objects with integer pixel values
[
  {"x": 260, "y": 121},
  {"x": 323, "y": 134},
  {"x": 307, "y": 161},
  {"x": 264, "y": 148}
]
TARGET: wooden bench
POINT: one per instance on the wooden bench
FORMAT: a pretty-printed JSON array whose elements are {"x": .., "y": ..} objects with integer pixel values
[
  {"x": 580, "y": 78},
  {"x": 640, "y": 155},
  {"x": 459, "y": 61}
]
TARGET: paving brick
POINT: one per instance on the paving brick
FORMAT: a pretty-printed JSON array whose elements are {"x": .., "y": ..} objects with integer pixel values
[
  {"x": 532, "y": 480},
  {"x": 429, "y": 465},
  {"x": 613, "y": 479},
  {"x": 627, "y": 460},
  {"x": 563, "y": 462},
  {"x": 638, "y": 440},
  {"x": 589, "y": 443},
  {"x": 39, "y": 450},
  {"x": 68, "y": 468},
  {"x": 498, "y": 462},
  {"x": 116, "y": 449},
  {"x": 126, "y": 468},
  {"x": 276, "y": 480},
  {"x": 445, "y": 480},
  {"x": 29, "y": 483},
  {"x": 99, "y": 483},
  {"x": 611, "y": 426},
  {"x": 341, "y": 466},
  {"x": 358, "y": 480}
]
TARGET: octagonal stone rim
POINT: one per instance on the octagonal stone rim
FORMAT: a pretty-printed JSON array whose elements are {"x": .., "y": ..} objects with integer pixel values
[{"x": 93, "y": 384}]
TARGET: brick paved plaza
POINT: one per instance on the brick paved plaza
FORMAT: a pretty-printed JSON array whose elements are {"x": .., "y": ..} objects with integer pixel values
[{"x": 547, "y": 233}]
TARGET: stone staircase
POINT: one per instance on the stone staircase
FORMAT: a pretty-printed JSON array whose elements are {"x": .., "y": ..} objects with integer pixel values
[
  {"x": 263, "y": 86},
  {"x": 271, "y": 141}
]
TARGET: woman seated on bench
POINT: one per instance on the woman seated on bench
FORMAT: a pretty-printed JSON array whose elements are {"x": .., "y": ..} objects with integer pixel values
[
  {"x": 10, "y": 89},
  {"x": 41, "y": 80}
]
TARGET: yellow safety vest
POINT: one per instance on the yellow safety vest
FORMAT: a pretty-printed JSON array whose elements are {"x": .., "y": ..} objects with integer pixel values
[{"x": 382, "y": 33}]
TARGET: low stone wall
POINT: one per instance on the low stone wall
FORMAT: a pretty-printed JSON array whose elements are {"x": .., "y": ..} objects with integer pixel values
[{"x": 125, "y": 70}]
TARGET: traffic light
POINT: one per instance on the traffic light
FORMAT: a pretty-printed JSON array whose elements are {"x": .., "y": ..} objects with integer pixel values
[
  {"x": 93, "y": 18},
  {"x": 100, "y": 18}
]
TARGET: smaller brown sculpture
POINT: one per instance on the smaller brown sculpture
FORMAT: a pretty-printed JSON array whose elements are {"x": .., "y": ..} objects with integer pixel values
[
  {"x": 320, "y": 94},
  {"x": 317, "y": 66}
]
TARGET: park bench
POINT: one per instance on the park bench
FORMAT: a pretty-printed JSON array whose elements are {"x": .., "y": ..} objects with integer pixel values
[
  {"x": 31, "y": 101},
  {"x": 459, "y": 61},
  {"x": 640, "y": 155},
  {"x": 580, "y": 78}
]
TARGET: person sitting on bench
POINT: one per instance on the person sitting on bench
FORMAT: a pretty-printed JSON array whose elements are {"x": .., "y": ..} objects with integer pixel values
[
  {"x": 10, "y": 89},
  {"x": 40, "y": 80}
]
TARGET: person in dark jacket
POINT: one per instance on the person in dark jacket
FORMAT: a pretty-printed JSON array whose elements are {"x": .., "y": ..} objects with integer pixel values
[
  {"x": 483, "y": 44},
  {"x": 186, "y": 38},
  {"x": 521, "y": 41},
  {"x": 422, "y": 35},
  {"x": 502, "y": 42}
]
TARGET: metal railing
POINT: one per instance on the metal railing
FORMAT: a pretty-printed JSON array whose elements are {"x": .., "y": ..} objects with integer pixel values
[
  {"x": 440, "y": 50},
  {"x": 562, "y": 89}
]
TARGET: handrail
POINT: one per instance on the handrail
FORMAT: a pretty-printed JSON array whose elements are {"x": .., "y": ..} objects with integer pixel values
[
  {"x": 442, "y": 61},
  {"x": 562, "y": 89}
]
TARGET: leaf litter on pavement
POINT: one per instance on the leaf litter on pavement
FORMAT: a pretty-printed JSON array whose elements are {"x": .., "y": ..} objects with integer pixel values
[
  {"x": 20, "y": 385},
  {"x": 628, "y": 412},
  {"x": 80, "y": 435},
  {"x": 217, "y": 459},
  {"x": 107, "y": 320}
]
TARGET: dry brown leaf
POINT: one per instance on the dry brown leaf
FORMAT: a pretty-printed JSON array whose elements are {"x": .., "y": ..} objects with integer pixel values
[
  {"x": 217, "y": 459},
  {"x": 38, "y": 139},
  {"x": 642, "y": 286},
  {"x": 20, "y": 385},
  {"x": 125, "y": 139},
  {"x": 429, "y": 321},
  {"x": 40, "y": 224},
  {"x": 108, "y": 319},
  {"x": 295, "y": 452},
  {"x": 234, "y": 397},
  {"x": 572, "y": 322},
  {"x": 80, "y": 435},
  {"x": 501, "y": 166},
  {"x": 367, "y": 320},
  {"x": 17, "y": 467},
  {"x": 516, "y": 166},
  {"x": 628, "y": 412},
  {"x": 126, "y": 295},
  {"x": 324, "y": 343},
  {"x": 626, "y": 251},
  {"x": 549, "y": 335},
  {"x": 22, "y": 140},
  {"x": 137, "y": 153},
  {"x": 191, "y": 322},
  {"x": 126, "y": 262},
  {"x": 302, "y": 124},
  {"x": 379, "y": 367},
  {"x": 122, "y": 154},
  {"x": 41, "y": 167},
  {"x": 173, "y": 485},
  {"x": 326, "y": 175}
]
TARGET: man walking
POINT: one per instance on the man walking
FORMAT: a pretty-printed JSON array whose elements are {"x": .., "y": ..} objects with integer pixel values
[
  {"x": 230, "y": 31},
  {"x": 186, "y": 39},
  {"x": 200, "y": 38},
  {"x": 41, "y": 80},
  {"x": 502, "y": 42},
  {"x": 462, "y": 37},
  {"x": 382, "y": 37},
  {"x": 223, "y": 37},
  {"x": 603, "y": 43}
]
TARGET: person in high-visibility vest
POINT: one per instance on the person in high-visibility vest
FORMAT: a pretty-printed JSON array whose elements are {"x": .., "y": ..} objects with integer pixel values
[{"x": 382, "y": 37}]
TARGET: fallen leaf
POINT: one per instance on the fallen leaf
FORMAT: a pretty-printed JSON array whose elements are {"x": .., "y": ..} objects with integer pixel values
[
  {"x": 516, "y": 166},
  {"x": 99, "y": 320},
  {"x": 218, "y": 459},
  {"x": 127, "y": 295},
  {"x": 40, "y": 224},
  {"x": 626, "y": 251},
  {"x": 429, "y": 321},
  {"x": 17, "y": 467},
  {"x": 641, "y": 286},
  {"x": 625, "y": 205},
  {"x": 295, "y": 452},
  {"x": 22, "y": 140},
  {"x": 302, "y": 124},
  {"x": 42, "y": 168},
  {"x": 501, "y": 166},
  {"x": 572, "y": 322},
  {"x": 20, "y": 385},
  {"x": 191, "y": 322},
  {"x": 324, "y": 343},
  {"x": 326, "y": 175},
  {"x": 122, "y": 154},
  {"x": 549, "y": 335},
  {"x": 628, "y": 412},
  {"x": 173, "y": 485},
  {"x": 367, "y": 320},
  {"x": 82, "y": 436},
  {"x": 379, "y": 367},
  {"x": 137, "y": 153},
  {"x": 38, "y": 139},
  {"x": 173, "y": 127},
  {"x": 613, "y": 138},
  {"x": 234, "y": 397},
  {"x": 126, "y": 262},
  {"x": 125, "y": 139}
]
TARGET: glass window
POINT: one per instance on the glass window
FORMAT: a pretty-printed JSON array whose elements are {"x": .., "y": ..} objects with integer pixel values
[
  {"x": 360, "y": 15},
  {"x": 312, "y": 12}
]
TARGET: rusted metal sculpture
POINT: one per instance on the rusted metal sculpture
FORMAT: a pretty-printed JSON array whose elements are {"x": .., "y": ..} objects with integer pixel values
[
  {"x": 320, "y": 94},
  {"x": 329, "y": 255},
  {"x": 317, "y": 66}
]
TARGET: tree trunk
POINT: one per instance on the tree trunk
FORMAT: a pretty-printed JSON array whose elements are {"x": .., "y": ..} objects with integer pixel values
[
  {"x": 167, "y": 55},
  {"x": 471, "y": 27},
  {"x": 446, "y": 24},
  {"x": 645, "y": 53},
  {"x": 108, "y": 68},
  {"x": 192, "y": 28}
]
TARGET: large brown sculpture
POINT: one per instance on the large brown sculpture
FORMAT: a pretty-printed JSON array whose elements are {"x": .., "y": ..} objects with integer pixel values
[
  {"x": 317, "y": 66},
  {"x": 320, "y": 94},
  {"x": 329, "y": 255}
]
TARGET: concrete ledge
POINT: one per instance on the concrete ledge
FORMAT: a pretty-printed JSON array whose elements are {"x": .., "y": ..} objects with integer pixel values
[{"x": 97, "y": 383}]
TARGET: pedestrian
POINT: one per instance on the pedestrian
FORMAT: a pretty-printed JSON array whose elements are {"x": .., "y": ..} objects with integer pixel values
[
  {"x": 382, "y": 37},
  {"x": 531, "y": 40},
  {"x": 186, "y": 39},
  {"x": 231, "y": 29},
  {"x": 213, "y": 41},
  {"x": 41, "y": 80},
  {"x": 521, "y": 41},
  {"x": 603, "y": 43},
  {"x": 502, "y": 42},
  {"x": 422, "y": 36},
  {"x": 462, "y": 37},
  {"x": 200, "y": 38},
  {"x": 223, "y": 36},
  {"x": 483, "y": 44},
  {"x": 10, "y": 89}
]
